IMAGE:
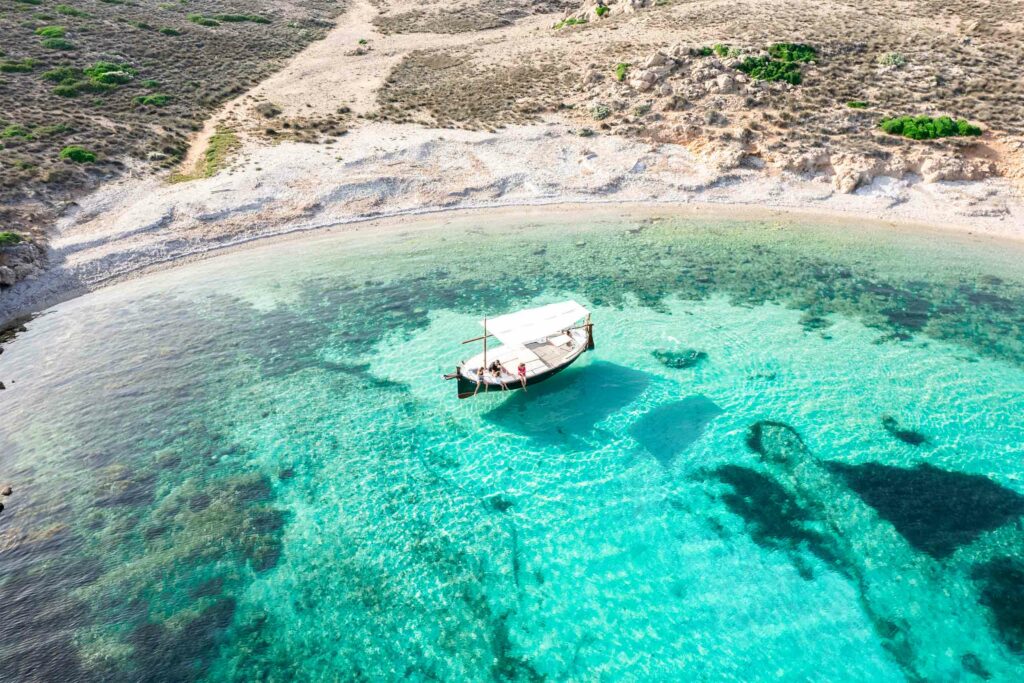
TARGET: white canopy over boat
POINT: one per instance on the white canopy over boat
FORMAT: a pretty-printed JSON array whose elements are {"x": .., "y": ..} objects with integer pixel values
[{"x": 517, "y": 329}]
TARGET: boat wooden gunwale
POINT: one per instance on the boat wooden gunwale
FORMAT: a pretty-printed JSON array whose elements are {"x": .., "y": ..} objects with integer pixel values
[{"x": 546, "y": 339}]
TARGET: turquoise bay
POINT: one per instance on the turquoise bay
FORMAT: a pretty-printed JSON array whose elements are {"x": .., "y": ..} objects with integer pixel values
[{"x": 794, "y": 455}]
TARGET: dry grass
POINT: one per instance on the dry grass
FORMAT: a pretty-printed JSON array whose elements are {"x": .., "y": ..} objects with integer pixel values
[{"x": 463, "y": 17}]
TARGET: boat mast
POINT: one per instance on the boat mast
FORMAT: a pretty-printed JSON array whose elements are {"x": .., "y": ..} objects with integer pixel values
[{"x": 485, "y": 342}]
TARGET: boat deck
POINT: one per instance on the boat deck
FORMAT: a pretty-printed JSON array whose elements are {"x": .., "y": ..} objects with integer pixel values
[{"x": 538, "y": 356}]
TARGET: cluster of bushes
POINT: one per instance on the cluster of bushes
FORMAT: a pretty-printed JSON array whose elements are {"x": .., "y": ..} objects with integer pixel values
[
  {"x": 100, "y": 77},
  {"x": 782, "y": 64},
  {"x": 8, "y": 238},
  {"x": 79, "y": 155},
  {"x": 53, "y": 38},
  {"x": 767, "y": 69},
  {"x": 927, "y": 128}
]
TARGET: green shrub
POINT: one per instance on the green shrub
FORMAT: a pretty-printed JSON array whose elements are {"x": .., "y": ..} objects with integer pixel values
[
  {"x": 58, "y": 44},
  {"x": 767, "y": 69},
  {"x": 601, "y": 10},
  {"x": 705, "y": 52},
  {"x": 65, "y": 75},
  {"x": 8, "y": 238},
  {"x": 720, "y": 50},
  {"x": 620, "y": 71},
  {"x": 109, "y": 73},
  {"x": 53, "y": 129},
  {"x": 202, "y": 21},
  {"x": 51, "y": 31},
  {"x": 14, "y": 131},
  {"x": 792, "y": 52},
  {"x": 857, "y": 104},
  {"x": 891, "y": 59},
  {"x": 21, "y": 66},
  {"x": 600, "y": 112},
  {"x": 150, "y": 84},
  {"x": 154, "y": 100},
  {"x": 169, "y": 31},
  {"x": 69, "y": 11},
  {"x": 571, "y": 21},
  {"x": 927, "y": 128},
  {"x": 77, "y": 154}
]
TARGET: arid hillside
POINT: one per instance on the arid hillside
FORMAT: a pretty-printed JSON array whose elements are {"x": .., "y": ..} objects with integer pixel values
[{"x": 90, "y": 87}]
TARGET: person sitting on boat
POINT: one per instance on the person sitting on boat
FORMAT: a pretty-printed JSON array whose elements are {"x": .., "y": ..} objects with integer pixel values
[
  {"x": 521, "y": 371},
  {"x": 479, "y": 379},
  {"x": 498, "y": 372}
]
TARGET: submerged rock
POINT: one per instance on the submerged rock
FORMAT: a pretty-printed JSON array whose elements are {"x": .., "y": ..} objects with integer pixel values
[
  {"x": 680, "y": 360},
  {"x": 1001, "y": 582},
  {"x": 935, "y": 510},
  {"x": 774, "y": 518}
]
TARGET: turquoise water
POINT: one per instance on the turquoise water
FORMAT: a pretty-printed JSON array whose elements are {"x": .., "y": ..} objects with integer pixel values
[{"x": 794, "y": 455}]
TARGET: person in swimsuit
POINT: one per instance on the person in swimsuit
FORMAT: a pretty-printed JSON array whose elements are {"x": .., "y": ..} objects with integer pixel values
[
  {"x": 521, "y": 371},
  {"x": 479, "y": 379}
]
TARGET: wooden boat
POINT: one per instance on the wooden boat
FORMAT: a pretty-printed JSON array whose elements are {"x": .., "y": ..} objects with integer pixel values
[{"x": 543, "y": 340}]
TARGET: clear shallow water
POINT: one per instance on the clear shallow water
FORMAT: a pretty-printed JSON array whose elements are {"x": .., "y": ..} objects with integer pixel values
[{"x": 249, "y": 469}]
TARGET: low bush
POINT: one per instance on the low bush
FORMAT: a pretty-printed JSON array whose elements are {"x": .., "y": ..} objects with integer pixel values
[
  {"x": 109, "y": 73},
  {"x": 17, "y": 66},
  {"x": 928, "y": 128},
  {"x": 767, "y": 69},
  {"x": 891, "y": 59},
  {"x": 857, "y": 104},
  {"x": 720, "y": 50},
  {"x": 13, "y": 130},
  {"x": 571, "y": 21},
  {"x": 64, "y": 75},
  {"x": 150, "y": 84},
  {"x": 792, "y": 52},
  {"x": 154, "y": 100},
  {"x": 51, "y": 31},
  {"x": 52, "y": 129},
  {"x": 58, "y": 44},
  {"x": 600, "y": 112},
  {"x": 601, "y": 10},
  {"x": 77, "y": 154},
  {"x": 705, "y": 52},
  {"x": 8, "y": 238},
  {"x": 620, "y": 71},
  {"x": 68, "y": 10},
  {"x": 169, "y": 31},
  {"x": 202, "y": 21},
  {"x": 237, "y": 18}
]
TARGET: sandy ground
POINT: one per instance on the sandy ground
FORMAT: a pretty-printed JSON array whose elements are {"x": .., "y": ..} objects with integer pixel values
[{"x": 382, "y": 169}]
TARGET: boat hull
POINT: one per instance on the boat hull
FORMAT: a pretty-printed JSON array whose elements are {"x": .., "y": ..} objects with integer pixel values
[{"x": 468, "y": 388}]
